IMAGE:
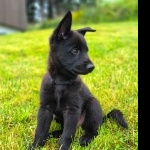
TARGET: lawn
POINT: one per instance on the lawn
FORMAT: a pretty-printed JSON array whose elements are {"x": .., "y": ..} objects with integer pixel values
[{"x": 114, "y": 82}]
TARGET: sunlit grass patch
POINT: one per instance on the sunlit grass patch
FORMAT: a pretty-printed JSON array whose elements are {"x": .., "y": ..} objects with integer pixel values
[{"x": 113, "y": 48}]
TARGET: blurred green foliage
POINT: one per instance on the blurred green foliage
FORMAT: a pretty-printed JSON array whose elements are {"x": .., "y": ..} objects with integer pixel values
[
  {"x": 100, "y": 11},
  {"x": 106, "y": 10}
]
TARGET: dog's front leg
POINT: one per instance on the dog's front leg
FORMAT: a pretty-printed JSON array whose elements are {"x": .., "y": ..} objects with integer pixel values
[
  {"x": 43, "y": 123},
  {"x": 71, "y": 117}
]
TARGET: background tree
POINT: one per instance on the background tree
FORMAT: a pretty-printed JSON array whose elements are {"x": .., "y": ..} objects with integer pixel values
[{"x": 30, "y": 10}]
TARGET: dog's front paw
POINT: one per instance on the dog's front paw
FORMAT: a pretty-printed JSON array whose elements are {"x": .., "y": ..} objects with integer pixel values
[
  {"x": 61, "y": 147},
  {"x": 31, "y": 147},
  {"x": 86, "y": 139},
  {"x": 37, "y": 144}
]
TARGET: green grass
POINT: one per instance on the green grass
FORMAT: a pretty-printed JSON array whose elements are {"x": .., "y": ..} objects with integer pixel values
[{"x": 114, "y": 82}]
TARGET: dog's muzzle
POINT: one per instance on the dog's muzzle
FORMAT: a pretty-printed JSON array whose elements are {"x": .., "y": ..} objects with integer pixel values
[{"x": 83, "y": 69}]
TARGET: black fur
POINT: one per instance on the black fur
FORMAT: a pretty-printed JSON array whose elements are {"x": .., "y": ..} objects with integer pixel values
[{"x": 63, "y": 95}]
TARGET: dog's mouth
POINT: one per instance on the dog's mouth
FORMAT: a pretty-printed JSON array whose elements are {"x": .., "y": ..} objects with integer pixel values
[{"x": 83, "y": 71}]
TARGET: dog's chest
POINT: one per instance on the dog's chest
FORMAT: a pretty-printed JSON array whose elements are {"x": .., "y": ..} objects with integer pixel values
[{"x": 58, "y": 93}]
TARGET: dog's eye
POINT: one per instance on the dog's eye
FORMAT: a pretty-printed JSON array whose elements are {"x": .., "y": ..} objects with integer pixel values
[{"x": 75, "y": 51}]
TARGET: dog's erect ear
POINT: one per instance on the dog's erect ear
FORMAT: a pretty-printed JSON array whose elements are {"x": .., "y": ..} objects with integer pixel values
[
  {"x": 64, "y": 26},
  {"x": 84, "y": 30}
]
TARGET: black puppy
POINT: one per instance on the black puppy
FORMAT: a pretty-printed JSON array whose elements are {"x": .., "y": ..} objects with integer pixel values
[{"x": 63, "y": 95}]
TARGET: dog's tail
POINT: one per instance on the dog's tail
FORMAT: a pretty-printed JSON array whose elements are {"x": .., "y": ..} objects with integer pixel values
[{"x": 118, "y": 116}]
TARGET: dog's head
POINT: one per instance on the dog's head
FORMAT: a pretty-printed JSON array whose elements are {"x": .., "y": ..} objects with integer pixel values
[{"x": 69, "y": 48}]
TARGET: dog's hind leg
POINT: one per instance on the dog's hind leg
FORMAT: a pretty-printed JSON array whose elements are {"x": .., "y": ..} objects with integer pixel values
[{"x": 93, "y": 119}]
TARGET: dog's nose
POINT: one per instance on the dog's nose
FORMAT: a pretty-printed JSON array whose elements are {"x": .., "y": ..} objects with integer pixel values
[{"x": 90, "y": 67}]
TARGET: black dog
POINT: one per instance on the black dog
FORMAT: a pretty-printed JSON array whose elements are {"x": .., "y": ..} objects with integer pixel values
[{"x": 63, "y": 95}]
